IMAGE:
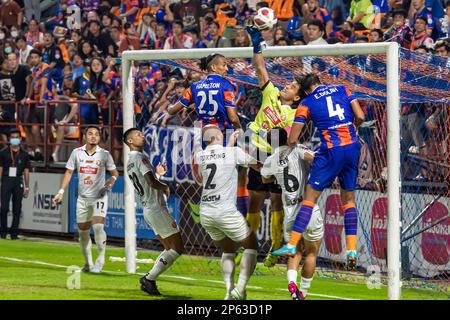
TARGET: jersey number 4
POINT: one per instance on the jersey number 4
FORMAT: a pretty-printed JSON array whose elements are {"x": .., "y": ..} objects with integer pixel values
[
  {"x": 211, "y": 102},
  {"x": 332, "y": 111}
]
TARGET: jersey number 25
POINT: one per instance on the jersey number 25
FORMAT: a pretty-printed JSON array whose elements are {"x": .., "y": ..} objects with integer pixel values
[{"x": 211, "y": 102}]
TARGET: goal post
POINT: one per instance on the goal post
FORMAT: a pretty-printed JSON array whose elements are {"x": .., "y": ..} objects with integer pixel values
[{"x": 389, "y": 49}]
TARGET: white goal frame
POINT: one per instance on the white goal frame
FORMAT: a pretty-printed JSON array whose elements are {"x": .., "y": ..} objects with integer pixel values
[{"x": 390, "y": 49}]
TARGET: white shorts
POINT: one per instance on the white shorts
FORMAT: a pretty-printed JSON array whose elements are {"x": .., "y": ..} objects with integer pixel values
[
  {"x": 314, "y": 231},
  {"x": 160, "y": 220},
  {"x": 231, "y": 224},
  {"x": 88, "y": 208}
]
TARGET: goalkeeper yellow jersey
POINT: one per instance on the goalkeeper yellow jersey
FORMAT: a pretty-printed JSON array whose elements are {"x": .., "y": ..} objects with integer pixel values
[{"x": 271, "y": 114}]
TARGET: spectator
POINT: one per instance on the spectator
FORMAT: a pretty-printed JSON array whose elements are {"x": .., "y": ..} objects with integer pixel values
[
  {"x": 82, "y": 91},
  {"x": 115, "y": 36},
  {"x": 241, "y": 38},
  {"x": 86, "y": 51},
  {"x": 422, "y": 49},
  {"x": 24, "y": 49},
  {"x": 15, "y": 178},
  {"x": 268, "y": 36},
  {"x": 87, "y": 6},
  {"x": 445, "y": 22},
  {"x": 161, "y": 36},
  {"x": 92, "y": 16},
  {"x": 194, "y": 34},
  {"x": 7, "y": 96},
  {"x": 42, "y": 91},
  {"x": 420, "y": 36},
  {"x": 164, "y": 14},
  {"x": 11, "y": 14},
  {"x": 362, "y": 39},
  {"x": 419, "y": 9},
  {"x": 76, "y": 36},
  {"x": 216, "y": 40},
  {"x": 53, "y": 56},
  {"x": 442, "y": 49},
  {"x": 32, "y": 10},
  {"x": 399, "y": 32},
  {"x": 22, "y": 82},
  {"x": 129, "y": 10},
  {"x": 34, "y": 36},
  {"x": 316, "y": 31},
  {"x": 243, "y": 12},
  {"x": 178, "y": 40},
  {"x": 376, "y": 35},
  {"x": 281, "y": 42},
  {"x": 146, "y": 33},
  {"x": 77, "y": 66},
  {"x": 347, "y": 33},
  {"x": 187, "y": 11},
  {"x": 100, "y": 41},
  {"x": 361, "y": 14},
  {"x": 131, "y": 40},
  {"x": 106, "y": 21},
  {"x": 313, "y": 11},
  {"x": 284, "y": 10},
  {"x": 279, "y": 33}
]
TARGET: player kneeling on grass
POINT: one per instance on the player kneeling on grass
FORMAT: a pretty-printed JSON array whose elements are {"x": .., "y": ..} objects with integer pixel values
[
  {"x": 92, "y": 203},
  {"x": 219, "y": 215},
  {"x": 289, "y": 167},
  {"x": 154, "y": 195}
]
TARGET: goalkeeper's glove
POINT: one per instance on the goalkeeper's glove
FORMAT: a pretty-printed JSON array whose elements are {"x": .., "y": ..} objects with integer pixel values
[{"x": 255, "y": 35}]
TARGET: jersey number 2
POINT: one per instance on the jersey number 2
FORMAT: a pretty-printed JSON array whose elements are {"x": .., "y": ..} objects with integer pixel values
[
  {"x": 332, "y": 112},
  {"x": 213, "y": 168},
  {"x": 211, "y": 102}
]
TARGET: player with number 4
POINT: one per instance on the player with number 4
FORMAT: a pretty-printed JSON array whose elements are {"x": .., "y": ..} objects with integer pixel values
[
  {"x": 336, "y": 114},
  {"x": 90, "y": 161}
]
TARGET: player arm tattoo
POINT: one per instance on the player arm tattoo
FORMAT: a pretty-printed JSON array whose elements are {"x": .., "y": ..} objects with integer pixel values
[{"x": 234, "y": 119}]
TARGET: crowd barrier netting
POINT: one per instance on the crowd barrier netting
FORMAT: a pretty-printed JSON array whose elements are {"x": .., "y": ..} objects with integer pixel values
[{"x": 425, "y": 166}]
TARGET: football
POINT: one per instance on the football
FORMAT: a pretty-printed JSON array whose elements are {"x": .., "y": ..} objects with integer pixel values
[{"x": 265, "y": 19}]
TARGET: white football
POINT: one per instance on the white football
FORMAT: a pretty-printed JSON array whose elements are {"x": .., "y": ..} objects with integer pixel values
[{"x": 265, "y": 19}]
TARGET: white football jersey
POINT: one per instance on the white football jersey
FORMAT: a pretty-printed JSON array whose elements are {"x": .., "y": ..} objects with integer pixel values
[
  {"x": 291, "y": 172},
  {"x": 91, "y": 170},
  {"x": 218, "y": 166},
  {"x": 138, "y": 165}
]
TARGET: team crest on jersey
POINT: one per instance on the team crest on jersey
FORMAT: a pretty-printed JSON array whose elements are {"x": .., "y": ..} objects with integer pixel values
[
  {"x": 88, "y": 180},
  {"x": 98, "y": 162}
]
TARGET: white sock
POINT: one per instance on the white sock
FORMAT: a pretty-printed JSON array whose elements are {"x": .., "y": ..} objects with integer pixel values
[
  {"x": 228, "y": 270},
  {"x": 86, "y": 245},
  {"x": 292, "y": 275},
  {"x": 162, "y": 263},
  {"x": 305, "y": 284},
  {"x": 247, "y": 266},
  {"x": 100, "y": 240}
]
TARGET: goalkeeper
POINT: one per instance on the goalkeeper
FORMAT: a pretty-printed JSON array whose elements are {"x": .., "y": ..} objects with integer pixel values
[{"x": 277, "y": 110}]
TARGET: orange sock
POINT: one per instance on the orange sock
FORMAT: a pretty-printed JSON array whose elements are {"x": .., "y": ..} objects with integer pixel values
[
  {"x": 351, "y": 242},
  {"x": 295, "y": 238}
]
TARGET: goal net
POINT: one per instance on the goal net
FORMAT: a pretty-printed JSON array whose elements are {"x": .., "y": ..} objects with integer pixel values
[{"x": 404, "y": 169}]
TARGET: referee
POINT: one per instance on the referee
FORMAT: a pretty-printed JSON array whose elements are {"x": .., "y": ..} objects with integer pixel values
[{"x": 15, "y": 176}]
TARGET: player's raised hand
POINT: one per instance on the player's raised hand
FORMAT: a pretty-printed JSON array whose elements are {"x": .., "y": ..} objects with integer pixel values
[
  {"x": 256, "y": 37},
  {"x": 234, "y": 136},
  {"x": 161, "y": 169}
]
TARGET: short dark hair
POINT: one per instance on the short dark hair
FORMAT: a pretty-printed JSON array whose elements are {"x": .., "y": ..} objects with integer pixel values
[
  {"x": 92, "y": 127},
  {"x": 22, "y": 37},
  {"x": 307, "y": 81},
  {"x": 380, "y": 33},
  {"x": 34, "y": 51},
  {"x": 14, "y": 130},
  {"x": 399, "y": 11},
  {"x": 178, "y": 22},
  {"x": 93, "y": 21},
  {"x": 317, "y": 23},
  {"x": 282, "y": 136},
  {"x": 422, "y": 47},
  {"x": 127, "y": 132},
  {"x": 447, "y": 4},
  {"x": 362, "y": 37},
  {"x": 421, "y": 18},
  {"x": 205, "y": 63},
  {"x": 440, "y": 44}
]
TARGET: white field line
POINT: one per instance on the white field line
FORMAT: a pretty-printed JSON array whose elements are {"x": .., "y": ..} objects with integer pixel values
[{"x": 165, "y": 276}]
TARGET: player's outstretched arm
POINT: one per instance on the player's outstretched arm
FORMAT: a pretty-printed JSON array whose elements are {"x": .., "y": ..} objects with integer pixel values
[
  {"x": 296, "y": 129},
  {"x": 175, "y": 108},
  {"x": 64, "y": 183},
  {"x": 258, "y": 59},
  {"x": 234, "y": 118},
  {"x": 360, "y": 117}
]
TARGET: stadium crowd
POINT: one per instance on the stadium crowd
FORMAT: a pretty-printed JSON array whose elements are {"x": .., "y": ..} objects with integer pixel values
[{"x": 70, "y": 53}]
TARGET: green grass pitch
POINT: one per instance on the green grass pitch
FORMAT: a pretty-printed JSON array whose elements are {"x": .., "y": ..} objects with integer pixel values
[{"x": 37, "y": 269}]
